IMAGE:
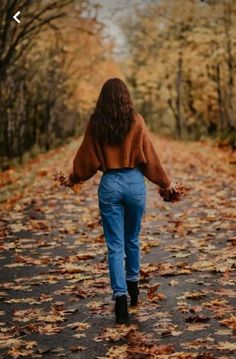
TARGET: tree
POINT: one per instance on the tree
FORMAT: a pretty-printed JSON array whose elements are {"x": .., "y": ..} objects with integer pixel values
[
  {"x": 47, "y": 88},
  {"x": 186, "y": 51}
]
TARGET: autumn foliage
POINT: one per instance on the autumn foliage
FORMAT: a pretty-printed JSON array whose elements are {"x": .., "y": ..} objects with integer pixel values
[
  {"x": 181, "y": 66},
  {"x": 51, "y": 69}
]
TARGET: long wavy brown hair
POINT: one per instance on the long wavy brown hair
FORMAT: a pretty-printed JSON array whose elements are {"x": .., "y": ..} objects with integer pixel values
[{"x": 113, "y": 114}]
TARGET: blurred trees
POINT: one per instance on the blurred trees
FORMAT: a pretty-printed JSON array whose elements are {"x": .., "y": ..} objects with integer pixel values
[
  {"x": 51, "y": 67},
  {"x": 181, "y": 66}
]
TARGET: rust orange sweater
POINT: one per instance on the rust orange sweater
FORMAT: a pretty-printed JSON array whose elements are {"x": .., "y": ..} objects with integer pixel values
[{"x": 136, "y": 150}]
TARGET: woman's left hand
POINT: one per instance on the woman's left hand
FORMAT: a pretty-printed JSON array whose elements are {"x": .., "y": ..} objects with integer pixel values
[
  {"x": 72, "y": 180},
  {"x": 74, "y": 183}
]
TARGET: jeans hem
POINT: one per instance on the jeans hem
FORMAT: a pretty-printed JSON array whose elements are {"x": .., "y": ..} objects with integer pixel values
[
  {"x": 133, "y": 278},
  {"x": 118, "y": 294}
]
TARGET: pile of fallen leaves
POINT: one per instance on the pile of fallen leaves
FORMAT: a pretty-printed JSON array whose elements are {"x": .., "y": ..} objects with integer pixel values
[
  {"x": 167, "y": 196},
  {"x": 64, "y": 181}
]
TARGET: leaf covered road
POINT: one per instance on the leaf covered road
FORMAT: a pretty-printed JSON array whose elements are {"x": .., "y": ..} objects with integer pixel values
[{"x": 55, "y": 292}]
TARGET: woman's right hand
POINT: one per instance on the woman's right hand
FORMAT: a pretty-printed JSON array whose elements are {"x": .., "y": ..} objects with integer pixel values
[
  {"x": 173, "y": 193},
  {"x": 173, "y": 188}
]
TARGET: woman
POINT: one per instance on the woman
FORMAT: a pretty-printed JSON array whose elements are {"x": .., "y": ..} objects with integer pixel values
[{"x": 116, "y": 141}]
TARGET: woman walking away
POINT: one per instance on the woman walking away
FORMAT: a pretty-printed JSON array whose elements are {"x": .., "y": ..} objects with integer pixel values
[{"x": 116, "y": 141}]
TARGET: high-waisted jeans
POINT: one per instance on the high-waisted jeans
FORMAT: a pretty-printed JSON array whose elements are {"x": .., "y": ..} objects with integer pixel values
[{"x": 122, "y": 200}]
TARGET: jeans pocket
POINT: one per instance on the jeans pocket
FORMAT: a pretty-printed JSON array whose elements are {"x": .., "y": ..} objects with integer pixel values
[
  {"x": 106, "y": 195},
  {"x": 108, "y": 190},
  {"x": 137, "y": 190}
]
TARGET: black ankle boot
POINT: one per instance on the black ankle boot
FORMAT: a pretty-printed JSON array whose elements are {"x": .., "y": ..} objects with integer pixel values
[
  {"x": 133, "y": 291},
  {"x": 121, "y": 310}
]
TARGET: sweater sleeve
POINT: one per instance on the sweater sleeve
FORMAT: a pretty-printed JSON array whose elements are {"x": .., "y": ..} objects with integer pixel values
[
  {"x": 86, "y": 161},
  {"x": 152, "y": 167}
]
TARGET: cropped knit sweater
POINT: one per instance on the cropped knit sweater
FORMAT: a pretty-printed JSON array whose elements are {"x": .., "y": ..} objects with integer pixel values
[{"x": 136, "y": 150}]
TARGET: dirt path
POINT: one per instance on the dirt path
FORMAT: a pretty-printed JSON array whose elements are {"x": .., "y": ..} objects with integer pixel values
[{"x": 55, "y": 292}]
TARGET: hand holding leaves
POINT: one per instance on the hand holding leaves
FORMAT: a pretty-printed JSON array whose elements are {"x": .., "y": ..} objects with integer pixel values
[
  {"x": 173, "y": 193},
  {"x": 68, "y": 181}
]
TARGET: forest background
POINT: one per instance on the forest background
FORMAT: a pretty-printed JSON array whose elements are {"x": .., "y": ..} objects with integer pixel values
[{"x": 177, "y": 57}]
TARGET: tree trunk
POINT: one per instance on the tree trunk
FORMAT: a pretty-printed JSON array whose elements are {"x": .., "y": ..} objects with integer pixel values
[
  {"x": 230, "y": 65},
  {"x": 220, "y": 98},
  {"x": 178, "y": 116}
]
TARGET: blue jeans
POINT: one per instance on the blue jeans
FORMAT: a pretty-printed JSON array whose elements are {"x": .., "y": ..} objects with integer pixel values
[{"x": 122, "y": 200}]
